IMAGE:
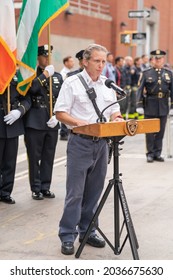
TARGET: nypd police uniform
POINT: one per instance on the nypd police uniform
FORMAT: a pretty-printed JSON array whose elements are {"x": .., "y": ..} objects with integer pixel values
[
  {"x": 79, "y": 56},
  {"x": 64, "y": 130},
  {"x": 40, "y": 139},
  {"x": 9, "y": 135},
  {"x": 155, "y": 87}
]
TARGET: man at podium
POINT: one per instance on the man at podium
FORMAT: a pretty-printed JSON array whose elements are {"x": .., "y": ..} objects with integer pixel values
[{"x": 87, "y": 156}]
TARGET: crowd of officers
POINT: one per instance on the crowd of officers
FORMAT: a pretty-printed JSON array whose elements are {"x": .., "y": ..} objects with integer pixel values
[
  {"x": 30, "y": 115},
  {"x": 126, "y": 72}
]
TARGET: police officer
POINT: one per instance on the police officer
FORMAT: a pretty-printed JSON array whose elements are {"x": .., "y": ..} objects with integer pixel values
[
  {"x": 79, "y": 56},
  {"x": 64, "y": 132},
  {"x": 11, "y": 126},
  {"x": 155, "y": 87},
  {"x": 42, "y": 130},
  {"x": 125, "y": 105}
]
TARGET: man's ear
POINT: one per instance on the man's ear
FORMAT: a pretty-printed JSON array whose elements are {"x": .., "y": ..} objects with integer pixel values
[{"x": 85, "y": 62}]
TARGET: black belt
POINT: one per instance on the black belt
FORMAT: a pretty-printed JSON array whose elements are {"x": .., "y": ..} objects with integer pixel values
[
  {"x": 158, "y": 95},
  {"x": 93, "y": 138}
]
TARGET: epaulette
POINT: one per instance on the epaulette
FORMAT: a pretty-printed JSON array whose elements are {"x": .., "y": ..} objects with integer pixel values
[
  {"x": 169, "y": 70},
  {"x": 145, "y": 70}
]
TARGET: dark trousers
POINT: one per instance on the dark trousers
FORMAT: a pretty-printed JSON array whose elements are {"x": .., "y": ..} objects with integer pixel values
[
  {"x": 8, "y": 156},
  {"x": 154, "y": 141},
  {"x": 86, "y": 171},
  {"x": 64, "y": 131},
  {"x": 41, "y": 146}
]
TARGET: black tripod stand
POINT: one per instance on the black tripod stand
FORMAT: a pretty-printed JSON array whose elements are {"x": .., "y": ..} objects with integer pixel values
[{"x": 119, "y": 196}]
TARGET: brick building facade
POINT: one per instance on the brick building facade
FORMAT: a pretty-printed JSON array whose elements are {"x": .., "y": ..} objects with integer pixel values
[{"x": 102, "y": 22}]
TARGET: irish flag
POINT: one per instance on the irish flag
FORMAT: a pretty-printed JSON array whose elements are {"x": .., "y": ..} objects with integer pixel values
[
  {"x": 34, "y": 16},
  {"x": 7, "y": 43}
]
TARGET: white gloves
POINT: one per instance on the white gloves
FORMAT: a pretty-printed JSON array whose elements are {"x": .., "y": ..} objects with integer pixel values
[
  {"x": 140, "y": 111},
  {"x": 52, "y": 122},
  {"x": 171, "y": 112},
  {"x": 12, "y": 117},
  {"x": 50, "y": 70}
]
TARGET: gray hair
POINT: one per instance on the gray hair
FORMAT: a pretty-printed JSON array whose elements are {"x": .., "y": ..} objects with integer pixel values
[{"x": 88, "y": 51}]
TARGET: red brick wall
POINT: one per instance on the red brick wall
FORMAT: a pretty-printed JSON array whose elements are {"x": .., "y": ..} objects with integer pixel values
[{"x": 108, "y": 32}]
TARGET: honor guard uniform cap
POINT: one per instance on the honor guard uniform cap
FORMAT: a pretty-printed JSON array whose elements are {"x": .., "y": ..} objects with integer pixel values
[
  {"x": 79, "y": 55},
  {"x": 158, "y": 53},
  {"x": 44, "y": 50}
]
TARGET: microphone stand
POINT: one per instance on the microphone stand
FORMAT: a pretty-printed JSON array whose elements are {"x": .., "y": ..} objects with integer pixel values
[
  {"x": 101, "y": 117},
  {"x": 119, "y": 200}
]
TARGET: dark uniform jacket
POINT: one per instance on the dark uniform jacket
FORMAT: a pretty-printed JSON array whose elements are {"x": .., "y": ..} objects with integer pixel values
[
  {"x": 127, "y": 74},
  {"x": 69, "y": 74},
  {"x": 135, "y": 76},
  {"x": 39, "y": 113},
  {"x": 155, "y": 86},
  {"x": 18, "y": 102}
]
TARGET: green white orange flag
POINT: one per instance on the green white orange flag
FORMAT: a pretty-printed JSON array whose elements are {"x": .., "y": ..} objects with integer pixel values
[
  {"x": 7, "y": 43},
  {"x": 34, "y": 16}
]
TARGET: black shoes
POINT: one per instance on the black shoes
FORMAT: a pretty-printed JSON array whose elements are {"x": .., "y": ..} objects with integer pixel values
[
  {"x": 48, "y": 194},
  {"x": 150, "y": 159},
  {"x": 159, "y": 158},
  {"x": 67, "y": 248},
  {"x": 7, "y": 199},
  {"x": 94, "y": 241},
  {"x": 42, "y": 194},
  {"x": 37, "y": 196}
]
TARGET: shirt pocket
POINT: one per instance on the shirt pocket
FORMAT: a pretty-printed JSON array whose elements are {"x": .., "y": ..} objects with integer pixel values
[
  {"x": 166, "y": 78},
  {"x": 150, "y": 80},
  {"x": 84, "y": 102},
  {"x": 108, "y": 97}
]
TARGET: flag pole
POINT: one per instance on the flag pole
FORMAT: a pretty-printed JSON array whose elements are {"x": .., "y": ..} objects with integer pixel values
[
  {"x": 8, "y": 99},
  {"x": 50, "y": 78}
]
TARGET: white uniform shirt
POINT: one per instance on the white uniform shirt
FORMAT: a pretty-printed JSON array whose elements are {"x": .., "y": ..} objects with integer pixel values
[
  {"x": 74, "y": 100},
  {"x": 64, "y": 72}
]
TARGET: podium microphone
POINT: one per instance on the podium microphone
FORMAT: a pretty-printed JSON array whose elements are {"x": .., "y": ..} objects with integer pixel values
[{"x": 110, "y": 84}]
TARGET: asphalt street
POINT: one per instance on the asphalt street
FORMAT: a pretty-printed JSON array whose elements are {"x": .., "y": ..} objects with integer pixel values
[{"x": 29, "y": 228}]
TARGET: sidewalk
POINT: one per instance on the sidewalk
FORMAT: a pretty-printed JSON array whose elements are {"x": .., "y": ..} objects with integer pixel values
[{"x": 29, "y": 229}]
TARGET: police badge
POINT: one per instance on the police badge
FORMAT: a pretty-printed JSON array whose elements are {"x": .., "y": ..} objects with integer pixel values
[{"x": 131, "y": 127}]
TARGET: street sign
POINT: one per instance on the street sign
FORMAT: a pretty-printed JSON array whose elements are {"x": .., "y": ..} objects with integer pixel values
[
  {"x": 139, "y": 36},
  {"x": 139, "y": 14}
]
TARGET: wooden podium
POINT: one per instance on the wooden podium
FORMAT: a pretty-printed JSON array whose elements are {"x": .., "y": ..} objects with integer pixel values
[
  {"x": 130, "y": 128},
  {"x": 114, "y": 132}
]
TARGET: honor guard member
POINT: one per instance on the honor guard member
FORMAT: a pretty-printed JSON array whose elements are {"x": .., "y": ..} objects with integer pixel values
[
  {"x": 79, "y": 56},
  {"x": 155, "y": 87},
  {"x": 11, "y": 126},
  {"x": 41, "y": 134}
]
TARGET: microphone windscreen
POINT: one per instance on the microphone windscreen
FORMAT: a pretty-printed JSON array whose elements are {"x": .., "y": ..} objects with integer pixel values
[{"x": 108, "y": 83}]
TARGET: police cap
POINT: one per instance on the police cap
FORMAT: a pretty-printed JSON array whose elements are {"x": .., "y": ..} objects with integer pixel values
[
  {"x": 44, "y": 50},
  {"x": 79, "y": 55},
  {"x": 158, "y": 53}
]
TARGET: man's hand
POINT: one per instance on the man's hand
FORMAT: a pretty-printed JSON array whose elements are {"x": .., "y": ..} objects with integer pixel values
[
  {"x": 140, "y": 111},
  {"x": 50, "y": 70},
  {"x": 12, "y": 116},
  {"x": 52, "y": 122}
]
